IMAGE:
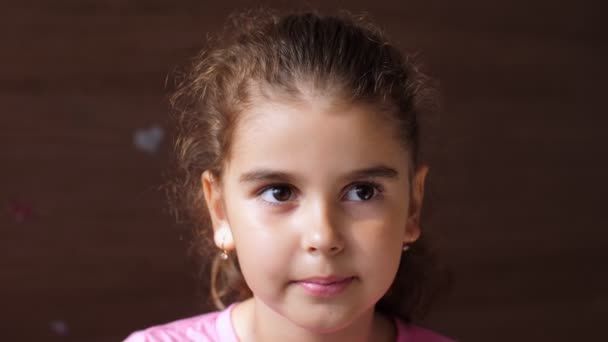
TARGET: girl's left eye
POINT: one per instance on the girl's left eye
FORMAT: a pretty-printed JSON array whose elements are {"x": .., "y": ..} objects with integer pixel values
[{"x": 363, "y": 192}]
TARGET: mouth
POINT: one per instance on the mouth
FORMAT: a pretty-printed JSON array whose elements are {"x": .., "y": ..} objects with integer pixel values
[{"x": 324, "y": 286}]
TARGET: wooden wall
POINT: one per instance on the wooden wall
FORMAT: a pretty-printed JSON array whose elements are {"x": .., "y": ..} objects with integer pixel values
[{"x": 518, "y": 164}]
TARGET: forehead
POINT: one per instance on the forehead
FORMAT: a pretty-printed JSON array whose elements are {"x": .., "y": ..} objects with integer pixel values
[{"x": 314, "y": 135}]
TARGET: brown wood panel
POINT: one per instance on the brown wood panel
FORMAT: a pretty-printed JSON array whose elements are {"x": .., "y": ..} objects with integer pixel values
[{"x": 517, "y": 178}]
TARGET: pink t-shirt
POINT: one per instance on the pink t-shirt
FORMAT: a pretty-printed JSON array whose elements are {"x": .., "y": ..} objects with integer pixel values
[{"x": 217, "y": 327}]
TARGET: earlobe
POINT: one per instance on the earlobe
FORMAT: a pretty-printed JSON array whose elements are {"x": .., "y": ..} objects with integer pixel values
[
  {"x": 223, "y": 238},
  {"x": 412, "y": 232}
]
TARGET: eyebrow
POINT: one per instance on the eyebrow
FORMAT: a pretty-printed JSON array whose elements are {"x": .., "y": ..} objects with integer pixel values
[{"x": 379, "y": 171}]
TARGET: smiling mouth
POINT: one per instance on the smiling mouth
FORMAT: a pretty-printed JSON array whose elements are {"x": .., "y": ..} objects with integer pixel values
[{"x": 324, "y": 286}]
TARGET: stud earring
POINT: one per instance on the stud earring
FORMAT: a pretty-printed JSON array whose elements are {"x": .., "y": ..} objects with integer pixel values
[
  {"x": 406, "y": 247},
  {"x": 223, "y": 253},
  {"x": 223, "y": 240}
]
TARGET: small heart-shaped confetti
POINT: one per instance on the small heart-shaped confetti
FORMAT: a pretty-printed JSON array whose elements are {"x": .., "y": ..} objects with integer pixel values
[{"x": 148, "y": 139}]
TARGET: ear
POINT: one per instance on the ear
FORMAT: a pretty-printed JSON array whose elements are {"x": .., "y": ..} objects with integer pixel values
[
  {"x": 222, "y": 234},
  {"x": 416, "y": 198}
]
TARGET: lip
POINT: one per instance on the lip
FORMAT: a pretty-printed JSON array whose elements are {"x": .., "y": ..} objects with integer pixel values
[{"x": 324, "y": 286}]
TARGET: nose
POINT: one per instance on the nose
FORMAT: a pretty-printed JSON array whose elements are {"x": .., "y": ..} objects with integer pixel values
[{"x": 322, "y": 235}]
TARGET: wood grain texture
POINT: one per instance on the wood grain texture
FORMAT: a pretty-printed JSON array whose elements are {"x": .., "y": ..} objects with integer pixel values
[{"x": 517, "y": 163}]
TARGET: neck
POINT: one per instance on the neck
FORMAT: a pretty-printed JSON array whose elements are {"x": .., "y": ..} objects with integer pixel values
[{"x": 254, "y": 321}]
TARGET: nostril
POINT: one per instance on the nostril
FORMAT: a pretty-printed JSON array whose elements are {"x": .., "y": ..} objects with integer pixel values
[{"x": 335, "y": 249}]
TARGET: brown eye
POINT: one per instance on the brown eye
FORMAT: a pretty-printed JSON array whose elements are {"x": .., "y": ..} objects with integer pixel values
[
  {"x": 281, "y": 193},
  {"x": 277, "y": 193},
  {"x": 362, "y": 192}
]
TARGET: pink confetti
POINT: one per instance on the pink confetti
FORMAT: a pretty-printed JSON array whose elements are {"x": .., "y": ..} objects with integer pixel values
[
  {"x": 21, "y": 211},
  {"x": 60, "y": 327}
]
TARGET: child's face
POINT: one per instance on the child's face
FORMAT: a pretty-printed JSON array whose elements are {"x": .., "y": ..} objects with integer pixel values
[{"x": 317, "y": 190}]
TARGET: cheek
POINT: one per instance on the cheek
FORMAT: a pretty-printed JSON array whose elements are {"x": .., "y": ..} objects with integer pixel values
[
  {"x": 379, "y": 243},
  {"x": 262, "y": 243},
  {"x": 377, "y": 239},
  {"x": 378, "y": 226},
  {"x": 255, "y": 229}
]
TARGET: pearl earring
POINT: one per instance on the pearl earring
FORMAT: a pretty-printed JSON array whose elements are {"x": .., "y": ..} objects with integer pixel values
[
  {"x": 223, "y": 253},
  {"x": 223, "y": 240}
]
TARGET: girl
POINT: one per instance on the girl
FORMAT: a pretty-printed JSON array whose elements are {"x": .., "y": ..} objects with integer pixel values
[{"x": 298, "y": 136}]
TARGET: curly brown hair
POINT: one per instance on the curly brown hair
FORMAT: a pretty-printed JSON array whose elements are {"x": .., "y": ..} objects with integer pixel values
[{"x": 344, "y": 54}]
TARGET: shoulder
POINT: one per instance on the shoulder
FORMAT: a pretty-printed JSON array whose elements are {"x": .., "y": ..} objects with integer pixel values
[
  {"x": 413, "y": 333},
  {"x": 198, "y": 328},
  {"x": 209, "y": 327}
]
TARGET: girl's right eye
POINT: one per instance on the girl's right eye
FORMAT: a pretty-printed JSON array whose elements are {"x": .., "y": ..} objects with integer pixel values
[{"x": 275, "y": 194}]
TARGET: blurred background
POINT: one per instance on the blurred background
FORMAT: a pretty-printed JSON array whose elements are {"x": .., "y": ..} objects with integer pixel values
[{"x": 88, "y": 251}]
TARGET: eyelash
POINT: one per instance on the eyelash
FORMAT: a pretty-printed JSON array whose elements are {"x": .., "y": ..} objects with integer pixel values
[{"x": 378, "y": 191}]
